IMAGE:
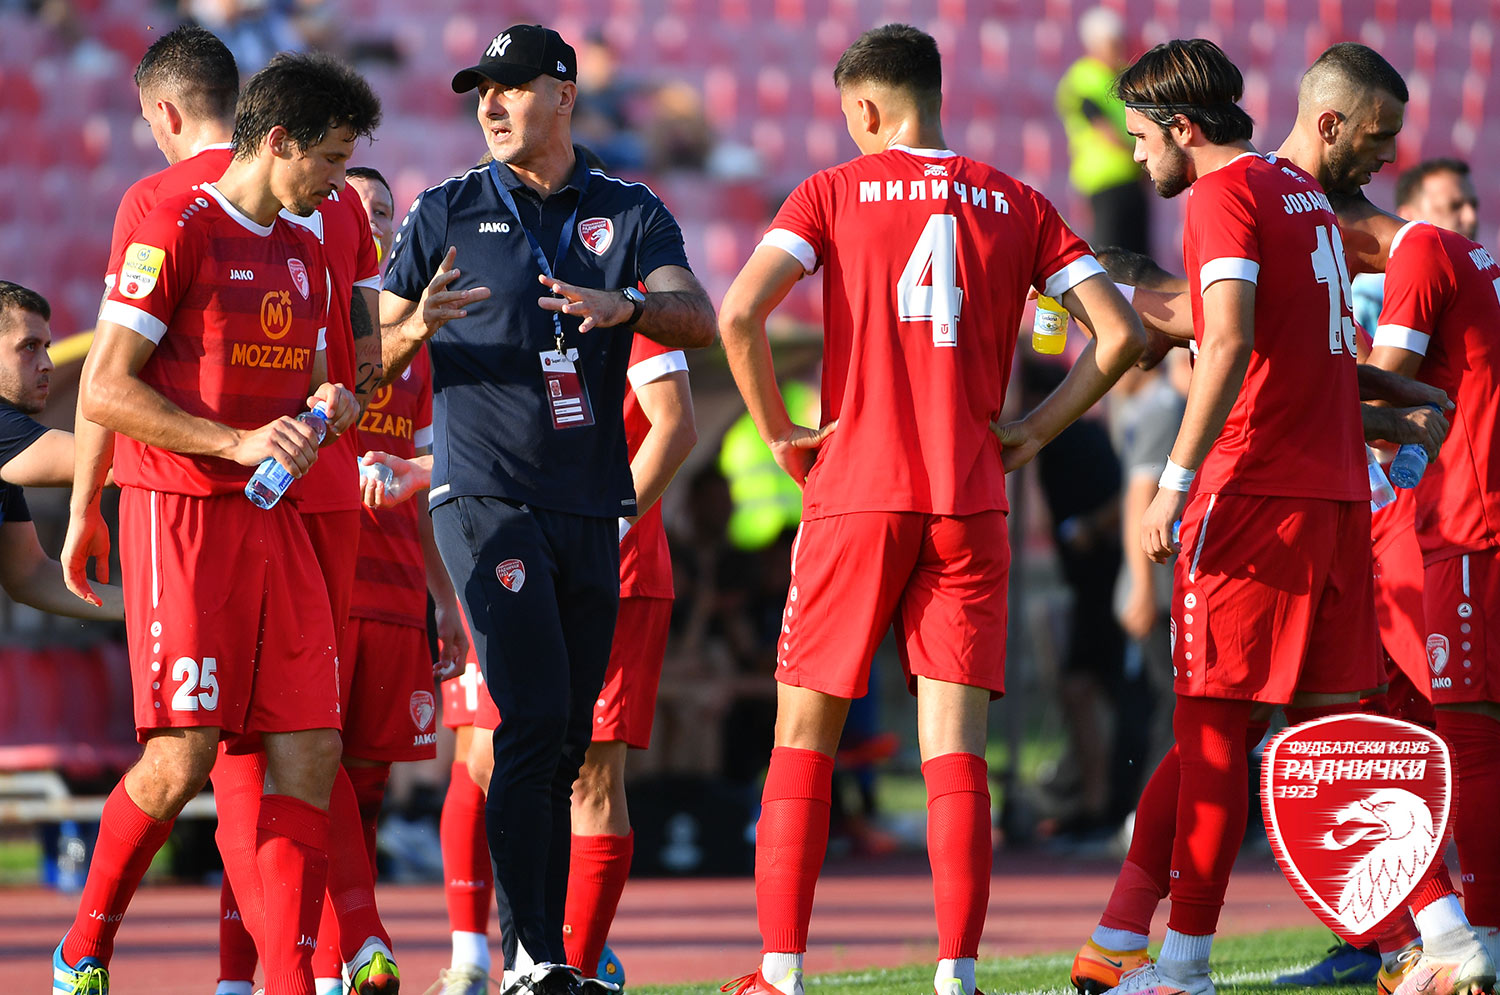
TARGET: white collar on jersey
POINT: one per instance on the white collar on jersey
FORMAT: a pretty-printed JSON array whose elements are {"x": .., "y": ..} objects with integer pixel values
[
  {"x": 1268, "y": 157},
  {"x": 235, "y": 213},
  {"x": 214, "y": 147},
  {"x": 923, "y": 153},
  {"x": 1395, "y": 242}
]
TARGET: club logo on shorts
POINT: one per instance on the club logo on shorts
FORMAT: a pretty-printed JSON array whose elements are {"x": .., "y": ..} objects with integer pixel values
[
  {"x": 511, "y": 573},
  {"x": 597, "y": 234},
  {"x": 141, "y": 269},
  {"x": 1357, "y": 811},
  {"x": 299, "y": 276},
  {"x": 422, "y": 708},
  {"x": 1437, "y": 652}
]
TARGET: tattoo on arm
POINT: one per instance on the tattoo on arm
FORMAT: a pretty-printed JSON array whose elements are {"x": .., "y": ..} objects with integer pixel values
[
  {"x": 359, "y": 316},
  {"x": 368, "y": 370}
]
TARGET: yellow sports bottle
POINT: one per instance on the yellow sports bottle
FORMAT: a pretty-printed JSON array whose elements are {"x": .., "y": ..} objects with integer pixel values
[{"x": 1049, "y": 329}]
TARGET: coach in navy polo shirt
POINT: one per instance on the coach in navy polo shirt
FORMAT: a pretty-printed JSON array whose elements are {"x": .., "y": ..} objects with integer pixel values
[{"x": 522, "y": 275}]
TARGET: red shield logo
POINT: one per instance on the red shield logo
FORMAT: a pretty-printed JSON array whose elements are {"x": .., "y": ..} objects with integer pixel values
[
  {"x": 299, "y": 277},
  {"x": 511, "y": 573},
  {"x": 422, "y": 708},
  {"x": 1357, "y": 810},
  {"x": 597, "y": 234}
]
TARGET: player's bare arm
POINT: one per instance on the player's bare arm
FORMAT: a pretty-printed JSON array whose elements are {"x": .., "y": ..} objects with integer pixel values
[
  {"x": 453, "y": 641},
  {"x": 1421, "y": 426},
  {"x": 88, "y": 534},
  {"x": 677, "y": 311},
  {"x": 405, "y": 325},
  {"x": 763, "y": 284},
  {"x": 33, "y": 578},
  {"x": 1223, "y": 358},
  {"x": 364, "y": 305},
  {"x": 668, "y": 405},
  {"x": 1390, "y": 375},
  {"x": 411, "y": 476},
  {"x": 112, "y": 394},
  {"x": 47, "y": 462},
  {"x": 1118, "y": 341}
]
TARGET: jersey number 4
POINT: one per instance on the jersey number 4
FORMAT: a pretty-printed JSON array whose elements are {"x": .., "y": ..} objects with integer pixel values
[
  {"x": 199, "y": 687},
  {"x": 1330, "y": 270},
  {"x": 928, "y": 289}
]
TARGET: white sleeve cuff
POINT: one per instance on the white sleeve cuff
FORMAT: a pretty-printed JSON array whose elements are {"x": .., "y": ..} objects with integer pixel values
[
  {"x": 371, "y": 283},
  {"x": 1402, "y": 337},
  {"x": 1071, "y": 275},
  {"x": 1127, "y": 292},
  {"x": 1227, "y": 268},
  {"x": 322, "y": 339},
  {"x": 422, "y": 437},
  {"x": 794, "y": 245},
  {"x": 145, "y": 324},
  {"x": 656, "y": 367}
]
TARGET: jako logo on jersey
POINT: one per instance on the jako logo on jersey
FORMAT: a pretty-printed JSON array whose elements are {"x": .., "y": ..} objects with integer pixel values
[
  {"x": 498, "y": 46},
  {"x": 241, "y": 274},
  {"x": 422, "y": 708},
  {"x": 935, "y": 169},
  {"x": 511, "y": 573},
  {"x": 299, "y": 277},
  {"x": 1437, "y": 652},
  {"x": 493, "y": 227},
  {"x": 276, "y": 314},
  {"x": 597, "y": 234}
]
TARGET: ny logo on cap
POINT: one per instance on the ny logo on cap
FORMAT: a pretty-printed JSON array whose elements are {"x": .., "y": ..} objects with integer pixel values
[{"x": 498, "y": 46}]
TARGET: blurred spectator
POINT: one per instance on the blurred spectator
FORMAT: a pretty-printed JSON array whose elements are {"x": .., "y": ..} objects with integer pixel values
[
  {"x": 766, "y": 501},
  {"x": 254, "y": 30},
  {"x": 1080, "y": 482},
  {"x": 602, "y": 119},
  {"x": 1103, "y": 166},
  {"x": 678, "y": 134}
]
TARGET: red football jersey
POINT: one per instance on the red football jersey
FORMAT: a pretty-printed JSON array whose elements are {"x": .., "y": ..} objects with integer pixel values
[
  {"x": 926, "y": 257},
  {"x": 390, "y": 579},
  {"x": 645, "y": 560},
  {"x": 144, "y": 194},
  {"x": 341, "y": 224},
  {"x": 236, "y": 310},
  {"x": 1442, "y": 301},
  {"x": 1294, "y": 430}
]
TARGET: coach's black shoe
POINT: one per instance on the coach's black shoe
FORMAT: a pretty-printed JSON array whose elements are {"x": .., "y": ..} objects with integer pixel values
[{"x": 551, "y": 979}]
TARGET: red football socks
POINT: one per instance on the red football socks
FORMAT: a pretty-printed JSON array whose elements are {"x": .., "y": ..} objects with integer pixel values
[
  {"x": 128, "y": 839},
  {"x": 597, "y": 869},
  {"x": 959, "y": 849},
  {"x": 1474, "y": 741},
  {"x": 351, "y": 885},
  {"x": 1142, "y": 882},
  {"x": 467, "y": 883},
  {"x": 369, "y": 792},
  {"x": 791, "y": 840},
  {"x": 291, "y": 849},
  {"x": 1212, "y": 805},
  {"x": 237, "y": 957}
]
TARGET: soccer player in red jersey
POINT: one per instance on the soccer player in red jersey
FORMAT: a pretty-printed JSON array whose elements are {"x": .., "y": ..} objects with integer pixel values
[
  {"x": 206, "y": 350},
  {"x": 1437, "y": 321},
  {"x": 927, "y": 257}
]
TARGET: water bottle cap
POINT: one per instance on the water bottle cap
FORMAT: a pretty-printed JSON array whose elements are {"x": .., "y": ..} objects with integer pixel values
[{"x": 321, "y": 410}]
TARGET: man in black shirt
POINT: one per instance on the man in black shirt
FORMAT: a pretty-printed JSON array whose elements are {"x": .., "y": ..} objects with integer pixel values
[
  {"x": 33, "y": 455},
  {"x": 530, "y": 479}
]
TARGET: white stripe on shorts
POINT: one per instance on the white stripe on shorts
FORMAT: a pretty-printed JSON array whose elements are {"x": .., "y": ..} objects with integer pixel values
[{"x": 1202, "y": 532}]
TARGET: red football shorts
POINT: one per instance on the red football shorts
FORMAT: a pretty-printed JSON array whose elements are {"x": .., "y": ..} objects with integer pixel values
[
  {"x": 226, "y": 614},
  {"x": 626, "y": 705},
  {"x": 1462, "y": 598},
  {"x": 335, "y": 540},
  {"x": 390, "y": 712},
  {"x": 1398, "y": 588},
  {"x": 1274, "y": 595},
  {"x": 940, "y": 579}
]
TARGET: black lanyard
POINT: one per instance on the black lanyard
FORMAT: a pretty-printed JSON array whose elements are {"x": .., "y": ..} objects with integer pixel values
[{"x": 563, "y": 243}]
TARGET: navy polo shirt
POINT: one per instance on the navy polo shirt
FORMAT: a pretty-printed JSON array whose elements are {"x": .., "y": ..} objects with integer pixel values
[
  {"x": 18, "y": 431},
  {"x": 493, "y": 433}
]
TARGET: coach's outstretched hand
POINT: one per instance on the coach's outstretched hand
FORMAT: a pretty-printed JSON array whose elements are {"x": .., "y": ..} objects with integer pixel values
[
  {"x": 439, "y": 305},
  {"x": 797, "y": 448},
  {"x": 597, "y": 308}
]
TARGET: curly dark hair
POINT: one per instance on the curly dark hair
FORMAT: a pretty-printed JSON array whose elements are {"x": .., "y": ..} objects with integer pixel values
[
  {"x": 309, "y": 95},
  {"x": 1191, "y": 77}
]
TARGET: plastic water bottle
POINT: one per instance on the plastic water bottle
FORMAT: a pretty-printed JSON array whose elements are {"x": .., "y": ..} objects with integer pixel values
[
  {"x": 1410, "y": 463},
  {"x": 1049, "y": 329},
  {"x": 384, "y": 475},
  {"x": 1381, "y": 493},
  {"x": 271, "y": 478}
]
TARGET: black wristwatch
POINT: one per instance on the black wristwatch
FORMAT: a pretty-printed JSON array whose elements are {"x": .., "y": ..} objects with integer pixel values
[{"x": 638, "y": 304}]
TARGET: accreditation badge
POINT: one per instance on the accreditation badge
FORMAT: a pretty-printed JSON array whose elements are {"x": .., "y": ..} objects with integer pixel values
[{"x": 567, "y": 394}]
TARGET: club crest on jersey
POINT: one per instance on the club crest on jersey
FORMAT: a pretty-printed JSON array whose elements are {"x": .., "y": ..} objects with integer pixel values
[
  {"x": 299, "y": 276},
  {"x": 140, "y": 270},
  {"x": 512, "y": 574},
  {"x": 1357, "y": 811},
  {"x": 597, "y": 234},
  {"x": 1437, "y": 652},
  {"x": 422, "y": 708}
]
